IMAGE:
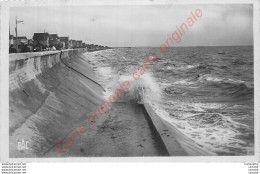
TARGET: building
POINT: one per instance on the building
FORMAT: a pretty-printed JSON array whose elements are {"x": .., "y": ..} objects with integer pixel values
[
  {"x": 78, "y": 43},
  {"x": 41, "y": 39},
  {"x": 65, "y": 40},
  {"x": 90, "y": 46},
  {"x": 54, "y": 40},
  {"x": 20, "y": 40},
  {"x": 97, "y": 47},
  {"x": 73, "y": 43},
  {"x": 11, "y": 39},
  {"x": 30, "y": 44}
]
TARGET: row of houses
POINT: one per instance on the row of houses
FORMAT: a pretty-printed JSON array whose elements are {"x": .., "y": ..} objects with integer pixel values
[{"x": 46, "y": 41}]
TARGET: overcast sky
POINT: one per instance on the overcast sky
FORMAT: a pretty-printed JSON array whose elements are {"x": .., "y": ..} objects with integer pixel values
[{"x": 220, "y": 25}]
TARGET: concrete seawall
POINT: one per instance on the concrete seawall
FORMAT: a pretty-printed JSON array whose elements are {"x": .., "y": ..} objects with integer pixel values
[
  {"x": 47, "y": 100},
  {"x": 50, "y": 97}
]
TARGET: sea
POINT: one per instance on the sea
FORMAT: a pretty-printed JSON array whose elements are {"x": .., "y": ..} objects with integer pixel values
[{"x": 207, "y": 93}]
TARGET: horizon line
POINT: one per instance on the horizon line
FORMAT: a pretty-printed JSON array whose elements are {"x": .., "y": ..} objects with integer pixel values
[{"x": 181, "y": 46}]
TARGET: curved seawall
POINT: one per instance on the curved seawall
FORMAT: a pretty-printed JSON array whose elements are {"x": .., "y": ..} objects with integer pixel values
[
  {"x": 47, "y": 100},
  {"x": 51, "y": 96}
]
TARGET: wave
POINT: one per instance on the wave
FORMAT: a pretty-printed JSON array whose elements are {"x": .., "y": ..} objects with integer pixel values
[
  {"x": 240, "y": 90},
  {"x": 214, "y": 131},
  {"x": 241, "y": 62},
  {"x": 230, "y": 87},
  {"x": 210, "y": 78},
  {"x": 214, "y": 120},
  {"x": 145, "y": 89},
  {"x": 208, "y": 84},
  {"x": 185, "y": 67}
]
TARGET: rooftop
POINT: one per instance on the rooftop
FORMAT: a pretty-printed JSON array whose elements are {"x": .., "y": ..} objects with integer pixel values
[
  {"x": 20, "y": 37},
  {"x": 40, "y": 36}
]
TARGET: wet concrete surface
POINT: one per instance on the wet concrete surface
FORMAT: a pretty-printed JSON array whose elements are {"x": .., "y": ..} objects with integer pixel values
[{"x": 124, "y": 132}]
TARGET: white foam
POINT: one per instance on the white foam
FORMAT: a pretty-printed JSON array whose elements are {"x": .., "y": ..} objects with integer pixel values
[
  {"x": 142, "y": 90},
  {"x": 215, "y": 138},
  {"x": 209, "y": 77},
  {"x": 184, "y": 82}
]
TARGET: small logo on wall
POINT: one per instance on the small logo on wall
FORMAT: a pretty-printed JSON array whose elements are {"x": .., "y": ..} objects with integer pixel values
[{"x": 23, "y": 145}]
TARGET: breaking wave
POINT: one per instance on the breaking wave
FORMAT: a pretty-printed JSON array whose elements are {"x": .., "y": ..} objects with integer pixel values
[
  {"x": 143, "y": 90},
  {"x": 230, "y": 87}
]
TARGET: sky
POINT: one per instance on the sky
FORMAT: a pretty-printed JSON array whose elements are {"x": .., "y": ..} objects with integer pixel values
[{"x": 139, "y": 25}]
